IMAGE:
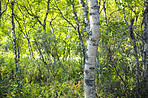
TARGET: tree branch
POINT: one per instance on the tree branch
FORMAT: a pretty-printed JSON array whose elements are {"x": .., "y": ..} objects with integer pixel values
[
  {"x": 44, "y": 24},
  {"x": 64, "y": 17},
  {"x": 78, "y": 30},
  {"x": 85, "y": 13},
  {"x": 35, "y": 16},
  {"x": 124, "y": 16},
  {"x": 1, "y": 13}
]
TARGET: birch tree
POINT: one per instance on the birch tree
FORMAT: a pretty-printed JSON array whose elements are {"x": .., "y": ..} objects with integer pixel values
[{"x": 93, "y": 39}]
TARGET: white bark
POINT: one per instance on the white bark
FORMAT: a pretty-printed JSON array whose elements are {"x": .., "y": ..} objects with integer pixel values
[
  {"x": 89, "y": 69},
  {"x": 124, "y": 16},
  {"x": 85, "y": 13}
]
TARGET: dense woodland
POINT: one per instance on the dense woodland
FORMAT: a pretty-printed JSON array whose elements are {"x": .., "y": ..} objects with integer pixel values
[{"x": 43, "y": 46}]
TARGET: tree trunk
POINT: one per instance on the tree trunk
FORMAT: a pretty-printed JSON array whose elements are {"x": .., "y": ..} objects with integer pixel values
[
  {"x": 13, "y": 31},
  {"x": 0, "y": 10},
  {"x": 145, "y": 35},
  {"x": 89, "y": 68},
  {"x": 78, "y": 30},
  {"x": 85, "y": 13}
]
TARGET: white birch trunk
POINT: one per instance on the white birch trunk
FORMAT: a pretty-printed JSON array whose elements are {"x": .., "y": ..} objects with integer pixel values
[
  {"x": 85, "y": 13},
  {"x": 89, "y": 69}
]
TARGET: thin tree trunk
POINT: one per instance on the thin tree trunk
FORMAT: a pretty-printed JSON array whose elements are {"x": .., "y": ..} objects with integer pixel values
[
  {"x": 145, "y": 52},
  {"x": 27, "y": 35},
  {"x": 145, "y": 36},
  {"x": 104, "y": 2},
  {"x": 0, "y": 25},
  {"x": 42, "y": 58},
  {"x": 89, "y": 68},
  {"x": 0, "y": 11},
  {"x": 132, "y": 35},
  {"x": 14, "y": 36},
  {"x": 130, "y": 30},
  {"x": 85, "y": 13},
  {"x": 78, "y": 30}
]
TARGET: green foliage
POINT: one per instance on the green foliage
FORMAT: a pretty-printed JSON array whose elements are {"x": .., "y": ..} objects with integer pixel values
[{"x": 50, "y": 59}]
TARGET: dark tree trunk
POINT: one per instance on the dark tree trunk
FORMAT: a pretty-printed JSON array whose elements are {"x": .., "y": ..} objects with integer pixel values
[{"x": 14, "y": 35}]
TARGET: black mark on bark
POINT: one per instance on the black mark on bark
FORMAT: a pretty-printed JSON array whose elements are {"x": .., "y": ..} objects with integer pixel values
[
  {"x": 89, "y": 82},
  {"x": 86, "y": 71},
  {"x": 92, "y": 68}
]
